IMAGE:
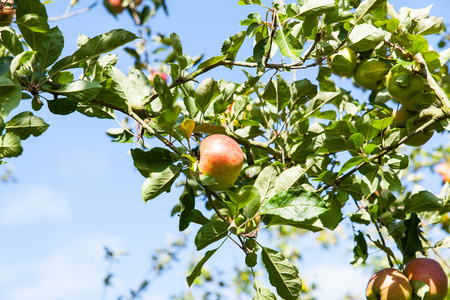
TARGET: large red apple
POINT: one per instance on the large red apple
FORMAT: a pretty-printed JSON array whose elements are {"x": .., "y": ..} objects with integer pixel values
[
  {"x": 429, "y": 271},
  {"x": 7, "y": 15},
  {"x": 389, "y": 284},
  {"x": 222, "y": 158}
]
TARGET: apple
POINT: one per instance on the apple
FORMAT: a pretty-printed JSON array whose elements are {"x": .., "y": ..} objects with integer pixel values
[
  {"x": 444, "y": 170},
  {"x": 221, "y": 157},
  {"x": 389, "y": 284},
  {"x": 370, "y": 73},
  {"x": 114, "y": 5},
  {"x": 162, "y": 75},
  {"x": 7, "y": 15},
  {"x": 429, "y": 271},
  {"x": 410, "y": 89},
  {"x": 419, "y": 139},
  {"x": 343, "y": 63}
]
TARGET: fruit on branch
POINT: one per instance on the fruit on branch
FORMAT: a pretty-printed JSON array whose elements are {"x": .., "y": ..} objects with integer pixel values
[
  {"x": 114, "y": 5},
  {"x": 410, "y": 89},
  {"x": 161, "y": 74},
  {"x": 343, "y": 63},
  {"x": 389, "y": 284},
  {"x": 430, "y": 272},
  {"x": 419, "y": 139},
  {"x": 444, "y": 170},
  {"x": 222, "y": 158},
  {"x": 7, "y": 15},
  {"x": 370, "y": 73}
]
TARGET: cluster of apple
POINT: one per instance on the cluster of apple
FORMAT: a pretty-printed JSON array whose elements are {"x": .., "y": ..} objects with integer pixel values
[
  {"x": 7, "y": 13},
  {"x": 407, "y": 87},
  {"x": 117, "y": 5},
  {"x": 391, "y": 284}
]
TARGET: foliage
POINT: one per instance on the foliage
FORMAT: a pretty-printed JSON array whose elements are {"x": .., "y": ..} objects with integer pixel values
[{"x": 312, "y": 150}]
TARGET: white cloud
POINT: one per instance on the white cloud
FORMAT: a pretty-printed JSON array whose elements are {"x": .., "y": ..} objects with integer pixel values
[
  {"x": 73, "y": 271},
  {"x": 32, "y": 205}
]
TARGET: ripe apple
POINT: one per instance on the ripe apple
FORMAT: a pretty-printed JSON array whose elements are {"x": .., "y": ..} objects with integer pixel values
[
  {"x": 389, "y": 284},
  {"x": 343, "y": 63},
  {"x": 429, "y": 271},
  {"x": 222, "y": 158},
  {"x": 370, "y": 73},
  {"x": 419, "y": 139},
  {"x": 410, "y": 89},
  {"x": 114, "y": 5},
  {"x": 7, "y": 15},
  {"x": 444, "y": 170}
]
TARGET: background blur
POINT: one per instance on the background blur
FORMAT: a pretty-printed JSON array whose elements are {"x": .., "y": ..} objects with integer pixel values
[{"x": 73, "y": 191}]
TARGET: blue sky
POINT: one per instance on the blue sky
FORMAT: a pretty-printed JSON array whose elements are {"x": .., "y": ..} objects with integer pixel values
[{"x": 76, "y": 192}]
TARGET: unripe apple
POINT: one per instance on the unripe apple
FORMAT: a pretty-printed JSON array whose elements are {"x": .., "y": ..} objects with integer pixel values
[
  {"x": 7, "y": 15},
  {"x": 343, "y": 63},
  {"x": 419, "y": 139},
  {"x": 429, "y": 271},
  {"x": 222, "y": 158},
  {"x": 389, "y": 284},
  {"x": 370, "y": 73}
]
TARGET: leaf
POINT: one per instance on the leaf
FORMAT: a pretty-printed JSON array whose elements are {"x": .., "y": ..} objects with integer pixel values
[
  {"x": 331, "y": 218},
  {"x": 313, "y": 8},
  {"x": 186, "y": 128},
  {"x": 365, "y": 7},
  {"x": 62, "y": 106},
  {"x": 262, "y": 293},
  {"x": 25, "y": 124},
  {"x": 232, "y": 45},
  {"x": 209, "y": 233},
  {"x": 360, "y": 249},
  {"x": 277, "y": 93},
  {"x": 168, "y": 119},
  {"x": 80, "y": 90},
  {"x": 21, "y": 59},
  {"x": 50, "y": 51},
  {"x": 365, "y": 37},
  {"x": 247, "y": 2},
  {"x": 410, "y": 243},
  {"x": 10, "y": 40},
  {"x": 159, "y": 182},
  {"x": 423, "y": 201},
  {"x": 352, "y": 162},
  {"x": 283, "y": 275},
  {"x": 34, "y": 23},
  {"x": 155, "y": 160},
  {"x": 295, "y": 205},
  {"x": 93, "y": 48},
  {"x": 289, "y": 45},
  {"x": 32, "y": 17},
  {"x": 265, "y": 183},
  {"x": 10, "y": 145},
  {"x": 163, "y": 91},
  {"x": 198, "y": 268},
  {"x": 246, "y": 195},
  {"x": 10, "y": 95},
  {"x": 187, "y": 200},
  {"x": 206, "y": 92},
  {"x": 176, "y": 44},
  {"x": 211, "y": 62},
  {"x": 209, "y": 128},
  {"x": 428, "y": 26},
  {"x": 95, "y": 110},
  {"x": 288, "y": 178}
]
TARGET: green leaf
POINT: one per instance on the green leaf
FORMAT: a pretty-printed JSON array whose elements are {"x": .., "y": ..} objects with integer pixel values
[
  {"x": 246, "y": 195},
  {"x": 159, "y": 182},
  {"x": 277, "y": 93},
  {"x": 209, "y": 233},
  {"x": 33, "y": 23},
  {"x": 365, "y": 7},
  {"x": 155, "y": 160},
  {"x": 410, "y": 243},
  {"x": 211, "y": 62},
  {"x": 428, "y": 26},
  {"x": 198, "y": 268},
  {"x": 232, "y": 45},
  {"x": 352, "y": 162},
  {"x": 331, "y": 218},
  {"x": 283, "y": 275},
  {"x": 423, "y": 201},
  {"x": 187, "y": 200},
  {"x": 100, "y": 44},
  {"x": 163, "y": 91},
  {"x": 95, "y": 111},
  {"x": 288, "y": 178},
  {"x": 176, "y": 44},
  {"x": 265, "y": 183},
  {"x": 10, "y": 96},
  {"x": 295, "y": 205},
  {"x": 209, "y": 128},
  {"x": 32, "y": 17},
  {"x": 80, "y": 90},
  {"x": 360, "y": 249},
  {"x": 62, "y": 106},
  {"x": 10, "y": 145},
  {"x": 206, "y": 92},
  {"x": 262, "y": 293},
  {"x": 365, "y": 37},
  {"x": 312, "y": 8},
  {"x": 302, "y": 91},
  {"x": 246, "y": 2},
  {"x": 10, "y": 40},
  {"x": 25, "y": 124},
  {"x": 288, "y": 44},
  {"x": 21, "y": 59},
  {"x": 168, "y": 119},
  {"x": 50, "y": 51}
]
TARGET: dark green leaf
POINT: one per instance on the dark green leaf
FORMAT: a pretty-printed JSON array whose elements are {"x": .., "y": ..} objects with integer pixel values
[
  {"x": 159, "y": 182},
  {"x": 187, "y": 200},
  {"x": 206, "y": 92},
  {"x": 10, "y": 145},
  {"x": 155, "y": 160},
  {"x": 263, "y": 293},
  {"x": 37, "y": 11},
  {"x": 198, "y": 268},
  {"x": 62, "y": 106},
  {"x": 209, "y": 233},
  {"x": 423, "y": 201},
  {"x": 360, "y": 249},
  {"x": 410, "y": 243},
  {"x": 163, "y": 91},
  {"x": 10, "y": 40},
  {"x": 289, "y": 45},
  {"x": 176, "y": 44},
  {"x": 25, "y": 124},
  {"x": 80, "y": 91},
  {"x": 50, "y": 51}
]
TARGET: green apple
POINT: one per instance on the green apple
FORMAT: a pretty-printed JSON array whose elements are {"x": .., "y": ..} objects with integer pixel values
[
  {"x": 389, "y": 284},
  {"x": 343, "y": 63},
  {"x": 430, "y": 272},
  {"x": 222, "y": 158},
  {"x": 419, "y": 139},
  {"x": 7, "y": 15},
  {"x": 370, "y": 73}
]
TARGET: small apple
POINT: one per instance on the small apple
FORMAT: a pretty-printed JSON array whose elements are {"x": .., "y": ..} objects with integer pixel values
[
  {"x": 343, "y": 63},
  {"x": 161, "y": 74},
  {"x": 115, "y": 6},
  {"x": 222, "y": 158},
  {"x": 370, "y": 73},
  {"x": 444, "y": 170},
  {"x": 419, "y": 139},
  {"x": 7, "y": 15},
  {"x": 429, "y": 271},
  {"x": 389, "y": 284}
]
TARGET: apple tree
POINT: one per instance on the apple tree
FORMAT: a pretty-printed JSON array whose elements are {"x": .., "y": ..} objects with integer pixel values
[{"x": 315, "y": 154}]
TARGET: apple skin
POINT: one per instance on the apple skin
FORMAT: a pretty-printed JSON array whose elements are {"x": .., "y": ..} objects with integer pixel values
[
  {"x": 222, "y": 158},
  {"x": 369, "y": 81},
  {"x": 389, "y": 284},
  {"x": 116, "y": 5},
  {"x": 444, "y": 170},
  {"x": 346, "y": 57},
  {"x": 419, "y": 139},
  {"x": 7, "y": 15},
  {"x": 429, "y": 271}
]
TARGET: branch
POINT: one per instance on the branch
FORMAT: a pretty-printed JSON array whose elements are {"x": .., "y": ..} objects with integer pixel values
[{"x": 66, "y": 15}]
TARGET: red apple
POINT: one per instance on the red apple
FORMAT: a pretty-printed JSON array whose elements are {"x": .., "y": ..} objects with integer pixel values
[
  {"x": 444, "y": 170},
  {"x": 115, "y": 5},
  {"x": 7, "y": 15},
  {"x": 222, "y": 158},
  {"x": 389, "y": 284},
  {"x": 429, "y": 271}
]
